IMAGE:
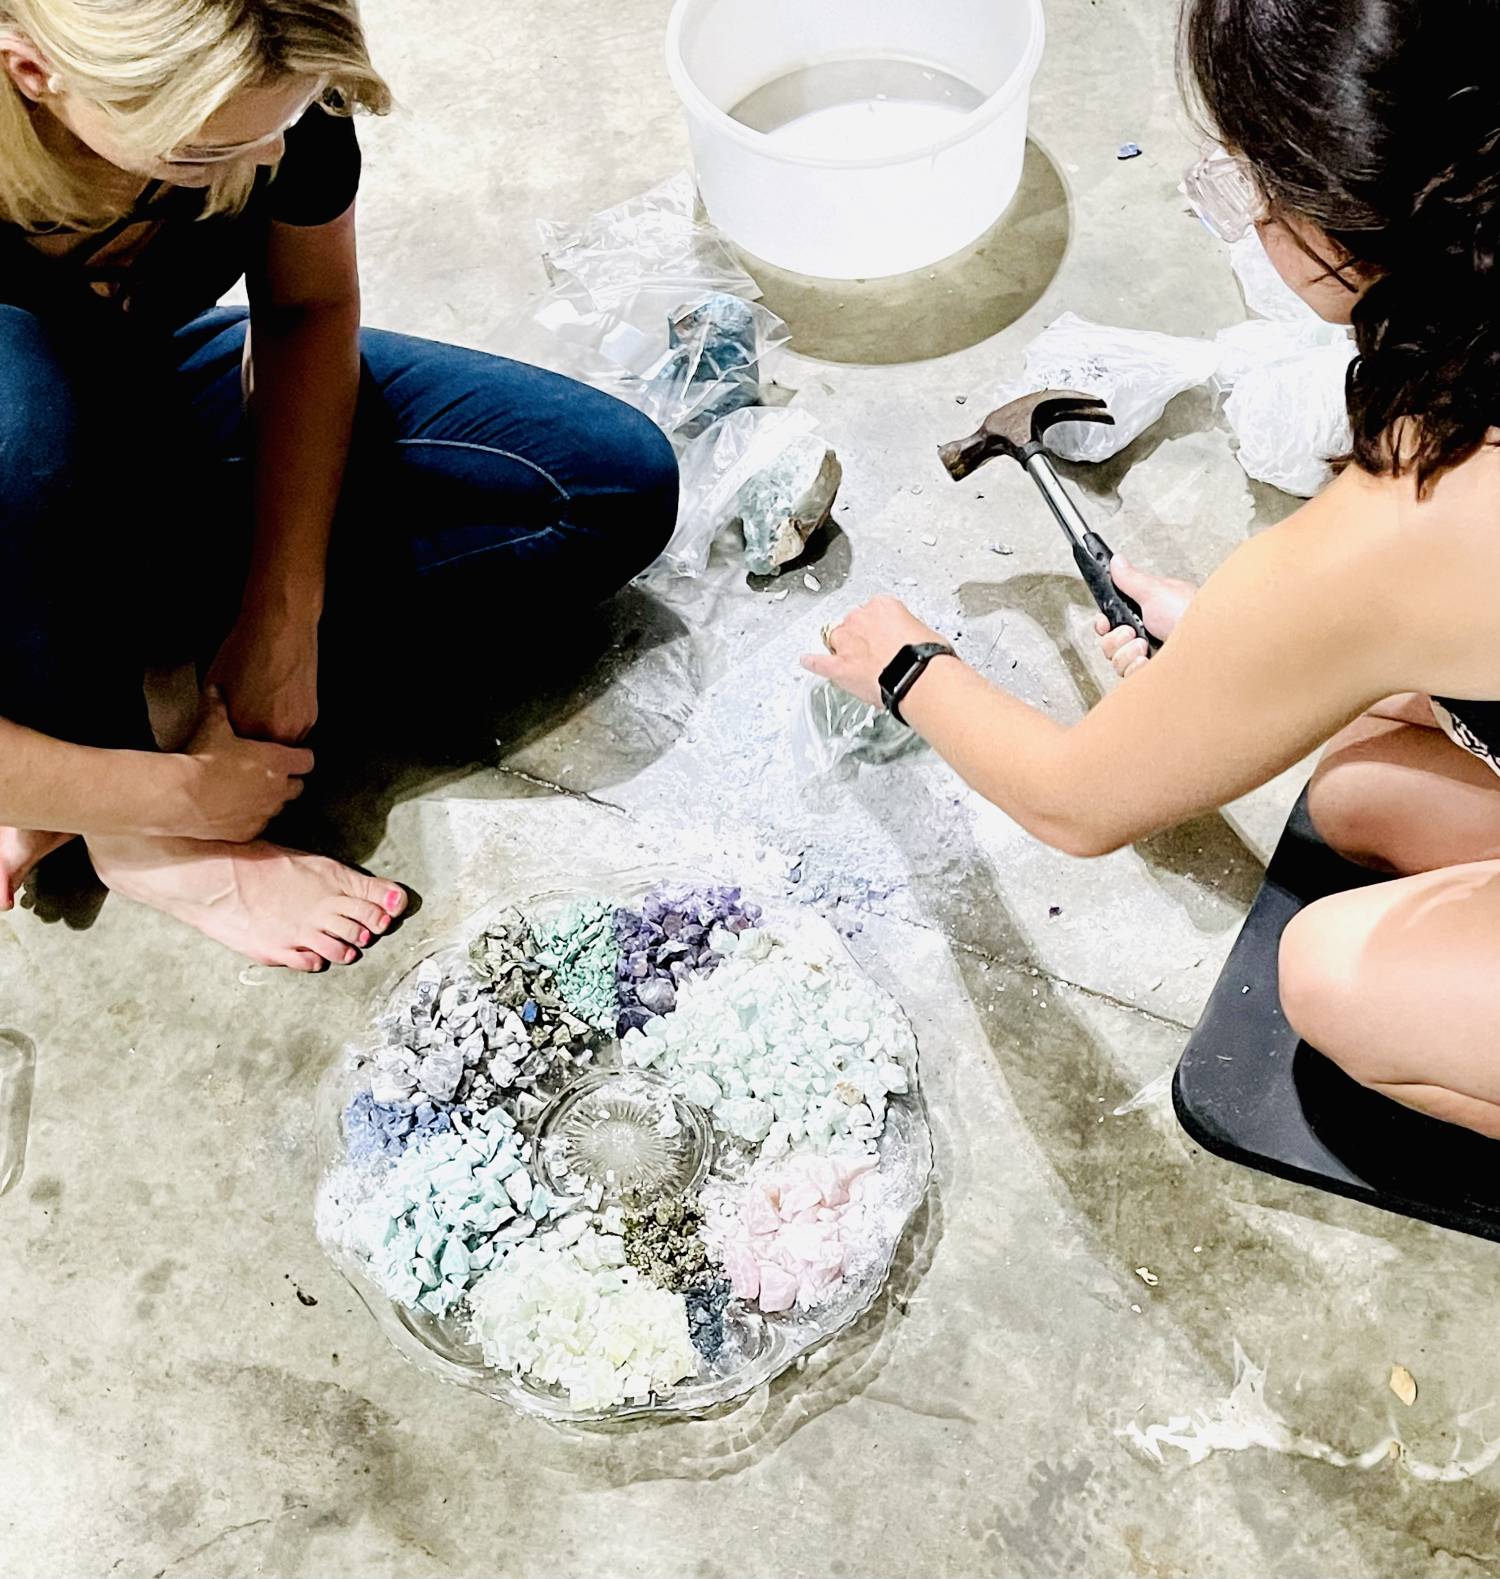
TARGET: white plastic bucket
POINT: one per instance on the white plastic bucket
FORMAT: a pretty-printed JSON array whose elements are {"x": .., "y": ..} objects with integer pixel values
[{"x": 857, "y": 202}]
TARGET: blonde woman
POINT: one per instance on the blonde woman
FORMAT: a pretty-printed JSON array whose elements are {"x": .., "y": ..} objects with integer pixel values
[{"x": 277, "y": 493}]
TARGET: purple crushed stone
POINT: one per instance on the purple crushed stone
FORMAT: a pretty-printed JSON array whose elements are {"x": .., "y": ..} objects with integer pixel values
[
  {"x": 666, "y": 942},
  {"x": 381, "y": 1131}
]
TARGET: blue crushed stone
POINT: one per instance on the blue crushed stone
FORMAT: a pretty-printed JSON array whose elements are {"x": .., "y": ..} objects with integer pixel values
[{"x": 381, "y": 1131}]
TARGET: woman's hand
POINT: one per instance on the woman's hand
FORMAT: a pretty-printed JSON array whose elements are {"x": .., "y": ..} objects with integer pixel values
[
  {"x": 267, "y": 670},
  {"x": 1163, "y": 603},
  {"x": 864, "y": 644},
  {"x": 231, "y": 788}
]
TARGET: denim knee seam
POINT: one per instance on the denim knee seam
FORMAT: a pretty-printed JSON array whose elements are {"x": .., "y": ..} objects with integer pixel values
[
  {"x": 489, "y": 449},
  {"x": 508, "y": 546}
]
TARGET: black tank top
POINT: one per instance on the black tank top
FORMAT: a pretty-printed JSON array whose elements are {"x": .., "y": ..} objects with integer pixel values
[{"x": 1474, "y": 725}]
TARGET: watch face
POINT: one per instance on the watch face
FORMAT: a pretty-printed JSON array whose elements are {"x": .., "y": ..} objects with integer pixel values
[{"x": 897, "y": 670}]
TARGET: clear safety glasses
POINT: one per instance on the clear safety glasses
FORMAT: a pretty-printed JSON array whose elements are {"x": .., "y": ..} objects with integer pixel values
[
  {"x": 197, "y": 158},
  {"x": 1224, "y": 196}
]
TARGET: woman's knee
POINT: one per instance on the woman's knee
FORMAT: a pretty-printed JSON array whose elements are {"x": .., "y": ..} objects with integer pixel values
[
  {"x": 39, "y": 421},
  {"x": 1317, "y": 977},
  {"x": 1350, "y": 805},
  {"x": 648, "y": 472}
]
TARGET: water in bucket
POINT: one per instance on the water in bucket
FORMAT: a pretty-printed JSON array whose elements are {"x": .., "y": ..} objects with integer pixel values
[{"x": 859, "y": 109}]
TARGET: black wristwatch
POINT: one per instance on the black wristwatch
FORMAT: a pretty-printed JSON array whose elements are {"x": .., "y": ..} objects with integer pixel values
[{"x": 905, "y": 669}]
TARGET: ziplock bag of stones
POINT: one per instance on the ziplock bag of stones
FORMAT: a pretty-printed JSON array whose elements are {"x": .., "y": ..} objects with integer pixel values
[
  {"x": 833, "y": 734},
  {"x": 763, "y": 470},
  {"x": 626, "y": 1153},
  {"x": 649, "y": 302}
]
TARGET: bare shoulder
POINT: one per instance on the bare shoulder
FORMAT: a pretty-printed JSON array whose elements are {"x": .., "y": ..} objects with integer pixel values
[
  {"x": 1424, "y": 566},
  {"x": 1385, "y": 525}
]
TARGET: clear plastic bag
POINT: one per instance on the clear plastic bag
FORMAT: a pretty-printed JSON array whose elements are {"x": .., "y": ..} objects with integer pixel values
[
  {"x": 1284, "y": 376},
  {"x": 649, "y": 303},
  {"x": 1136, "y": 371},
  {"x": 1291, "y": 417},
  {"x": 1245, "y": 348},
  {"x": 716, "y": 467},
  {"x": 714, "y": 364},
  {"x": 639, "y": 257},
  {"x": 833, "y": 734}
]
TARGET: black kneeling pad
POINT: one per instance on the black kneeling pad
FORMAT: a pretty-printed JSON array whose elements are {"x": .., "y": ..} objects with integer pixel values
[{"x": 1249, "y": 1090}]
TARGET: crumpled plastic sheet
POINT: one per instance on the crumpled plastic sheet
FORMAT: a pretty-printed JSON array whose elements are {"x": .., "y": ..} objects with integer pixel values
[
  {"x": 1283, "y": 375},
  {"x": 1136, "y": 371},
  {"x": 1291, "y": 417},
  {"x": 833, "y": 734}
]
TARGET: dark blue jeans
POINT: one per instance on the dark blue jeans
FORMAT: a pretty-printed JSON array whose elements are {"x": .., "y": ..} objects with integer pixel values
[{"x": 486, "y": 502}]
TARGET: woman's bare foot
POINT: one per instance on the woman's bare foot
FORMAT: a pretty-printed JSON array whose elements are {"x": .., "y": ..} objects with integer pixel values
[
  {"x": 20, "y": 850},
  {"x": 276, "y": 906}
]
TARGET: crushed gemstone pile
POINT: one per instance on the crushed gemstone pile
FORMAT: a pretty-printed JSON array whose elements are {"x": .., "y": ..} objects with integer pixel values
[
  {"x": 787, "y": 1238},
  {"x": 447, "y": 1210},
  {"x": 480, "y": 1030},
  {"x": 383, "y": 1130},
  {"x": 615, "y": 1274},
  {"x": 670, "y": 940},
  {"x": 665, "y": 1243},
  {"x": 579, "y": 947},
  {"x": 576, "y": 1317},
  {"x": 783, "y": 1050}
]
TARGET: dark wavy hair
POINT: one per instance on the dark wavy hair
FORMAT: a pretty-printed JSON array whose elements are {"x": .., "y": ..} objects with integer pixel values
[{"x": 1379, "y": 121}]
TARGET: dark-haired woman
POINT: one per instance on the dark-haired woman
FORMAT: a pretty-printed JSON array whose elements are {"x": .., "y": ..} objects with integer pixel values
[{"x": 1364, "y": 147}]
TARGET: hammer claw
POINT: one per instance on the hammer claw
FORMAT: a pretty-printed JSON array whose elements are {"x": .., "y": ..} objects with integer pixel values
[{"x": 1019, "y": 429}]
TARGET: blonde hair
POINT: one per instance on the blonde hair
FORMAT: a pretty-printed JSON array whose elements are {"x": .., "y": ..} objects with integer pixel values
[{"x": 158, "y": 69}]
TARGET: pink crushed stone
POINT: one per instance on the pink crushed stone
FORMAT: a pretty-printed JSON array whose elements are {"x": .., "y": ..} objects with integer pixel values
[{"x": 787, "y": 1236}]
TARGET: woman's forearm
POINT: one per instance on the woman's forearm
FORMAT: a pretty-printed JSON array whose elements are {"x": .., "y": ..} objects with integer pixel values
[
  {"x": 306, "y": 382},
  {"x": 54, "y": 786},
  {"x": 1007, "y": 751}
]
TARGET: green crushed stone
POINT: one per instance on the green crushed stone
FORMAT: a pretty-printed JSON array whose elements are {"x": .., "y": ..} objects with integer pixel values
[{"x": 579, "y": 947}]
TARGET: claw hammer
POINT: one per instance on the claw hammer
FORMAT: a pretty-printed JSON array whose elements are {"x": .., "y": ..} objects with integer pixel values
[{"x": 1019, "y": 430}]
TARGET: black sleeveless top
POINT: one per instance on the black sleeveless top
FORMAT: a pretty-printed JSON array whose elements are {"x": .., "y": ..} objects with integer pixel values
[{"x": 1473, "y": 725}]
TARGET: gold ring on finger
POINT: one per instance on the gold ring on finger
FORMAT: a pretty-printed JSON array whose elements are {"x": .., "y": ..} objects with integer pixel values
[{"x": 828, "y": 637}]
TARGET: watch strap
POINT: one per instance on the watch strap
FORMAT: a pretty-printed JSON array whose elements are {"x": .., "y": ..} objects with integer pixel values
[{"x": 905, "y": 669}]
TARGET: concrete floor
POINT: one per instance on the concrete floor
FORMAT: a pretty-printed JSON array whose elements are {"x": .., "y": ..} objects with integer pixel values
[{"x": 171, "y": 1407}]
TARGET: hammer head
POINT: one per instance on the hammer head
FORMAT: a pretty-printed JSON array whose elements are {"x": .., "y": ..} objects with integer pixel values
[{"x": 1018, "y": 429}]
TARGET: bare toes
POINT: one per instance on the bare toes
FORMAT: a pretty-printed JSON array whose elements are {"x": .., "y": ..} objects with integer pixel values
[
  {"x": 295, "y": 959},
  {"x": 380, "y": 891},
  {"x": 394, "y": 900},
  {"x": 333, "y": 950},
  {"x": 345, "y": 930},
  {"x": 363, "y": 914}
]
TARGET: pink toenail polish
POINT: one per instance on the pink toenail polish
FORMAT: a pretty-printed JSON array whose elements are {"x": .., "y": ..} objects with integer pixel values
[
  {"x": 392, "y": 900},
  {"x": 364, "y": 937}
]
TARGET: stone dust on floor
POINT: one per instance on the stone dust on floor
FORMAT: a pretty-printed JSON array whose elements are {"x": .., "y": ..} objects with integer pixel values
[{"x": 188, "y": 1387}]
